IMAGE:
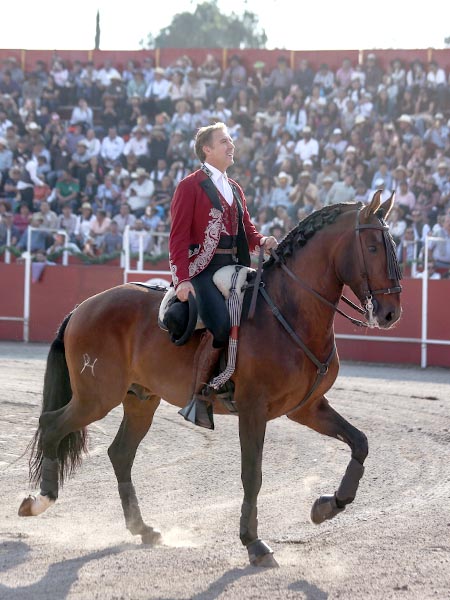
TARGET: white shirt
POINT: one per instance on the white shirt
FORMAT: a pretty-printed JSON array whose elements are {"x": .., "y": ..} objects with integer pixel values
[{"x": 221, "y": 182}]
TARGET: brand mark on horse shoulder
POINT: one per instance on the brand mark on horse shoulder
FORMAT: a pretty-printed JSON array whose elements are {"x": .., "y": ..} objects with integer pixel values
[{"x": 87, "y": 363}]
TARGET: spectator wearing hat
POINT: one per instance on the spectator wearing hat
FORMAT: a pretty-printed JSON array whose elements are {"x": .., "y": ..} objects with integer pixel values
[
  {"x": 324, "y": 186},
  {"x": 112, "y": 147},
  {"x": 380, "y": 184},
  {"x": 137, "y": 145},
  {"x": 140, "y": 191},
  {"x": 281, "y": 192},
  {"x": 304, "y": 194},
  {"x": 307, "y": 147},
  {"x": 84, "y": 223},
  {"x": 157, "y": 97},
  {"x": 337, "y": 142},
  {"x": 234, "y": 78},
  {"x": 441, "y": 177}
]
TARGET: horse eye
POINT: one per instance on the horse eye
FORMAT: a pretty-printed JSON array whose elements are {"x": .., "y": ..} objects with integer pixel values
[{"x": 372, "y": 249}]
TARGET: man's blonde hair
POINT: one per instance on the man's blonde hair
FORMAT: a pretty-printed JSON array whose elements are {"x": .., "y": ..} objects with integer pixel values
[{"x": 203, "y": 138}]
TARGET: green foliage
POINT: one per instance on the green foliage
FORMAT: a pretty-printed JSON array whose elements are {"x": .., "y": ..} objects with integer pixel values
[{"x": 207, "y": 27}]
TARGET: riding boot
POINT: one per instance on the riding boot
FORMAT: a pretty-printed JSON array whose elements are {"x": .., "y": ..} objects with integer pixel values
[{"x": 200, "y": 410}]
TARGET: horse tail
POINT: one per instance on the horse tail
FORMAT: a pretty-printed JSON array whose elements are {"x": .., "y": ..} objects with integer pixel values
[{"x": 56, "y": 394}]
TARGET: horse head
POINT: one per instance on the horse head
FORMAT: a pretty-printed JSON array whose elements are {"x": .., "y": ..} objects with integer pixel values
[{"x": 375, "y": 272}]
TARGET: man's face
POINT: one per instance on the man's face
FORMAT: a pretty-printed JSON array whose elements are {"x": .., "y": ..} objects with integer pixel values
[{"x": 220, "y": 150}]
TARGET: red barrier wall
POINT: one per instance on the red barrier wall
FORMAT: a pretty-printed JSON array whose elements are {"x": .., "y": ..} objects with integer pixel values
[
  {"x": 62, "y": 288},
  {"x": 166, "y": 56}
]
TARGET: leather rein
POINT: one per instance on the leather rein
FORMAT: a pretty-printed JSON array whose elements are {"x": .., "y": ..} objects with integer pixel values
[{"x": 322, "y": 367}]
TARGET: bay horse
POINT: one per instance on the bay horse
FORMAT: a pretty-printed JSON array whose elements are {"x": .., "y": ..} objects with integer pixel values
[{"x": 110, "y": 350}]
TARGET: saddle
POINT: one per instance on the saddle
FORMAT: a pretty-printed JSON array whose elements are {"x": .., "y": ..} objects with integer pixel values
[{"x": 181, "y": 319}]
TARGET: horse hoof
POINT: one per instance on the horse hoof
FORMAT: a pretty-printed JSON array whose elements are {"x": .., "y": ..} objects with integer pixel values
[
  {"x": 261, "y": 555},
  {"x": 151, "y": 537},
  {"x": 324, "y": 508},
  {"x": 266, "y": 561},
  {"x": 25, "y": 507},
  {"x": 34, "y": 505}
]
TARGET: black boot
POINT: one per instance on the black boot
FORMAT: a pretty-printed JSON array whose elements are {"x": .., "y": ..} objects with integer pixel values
[{"x": 200, "y": 410}]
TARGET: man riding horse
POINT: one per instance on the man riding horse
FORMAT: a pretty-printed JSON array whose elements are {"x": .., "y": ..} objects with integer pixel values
[{"x": 210, "y": 228}]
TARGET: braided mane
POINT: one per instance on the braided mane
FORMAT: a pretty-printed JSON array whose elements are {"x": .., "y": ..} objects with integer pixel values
[{"x": 301, "y": 233}]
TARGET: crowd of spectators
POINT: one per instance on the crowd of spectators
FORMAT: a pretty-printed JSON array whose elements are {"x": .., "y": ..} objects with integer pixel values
[{"x": 86, "y": 151}]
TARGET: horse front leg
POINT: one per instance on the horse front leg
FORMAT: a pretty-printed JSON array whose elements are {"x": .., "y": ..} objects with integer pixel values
[
  {"x": 324, "y": 419},
  {"x": 252, "y": 429}
]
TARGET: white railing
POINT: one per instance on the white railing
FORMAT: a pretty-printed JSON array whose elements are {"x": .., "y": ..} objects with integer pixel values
[
  {"x": 127, "y": 269},
  {"x": 28, "y": 258}
]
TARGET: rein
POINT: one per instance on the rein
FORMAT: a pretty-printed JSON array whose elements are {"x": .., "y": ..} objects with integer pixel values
[{"x": 393, "y": 273}]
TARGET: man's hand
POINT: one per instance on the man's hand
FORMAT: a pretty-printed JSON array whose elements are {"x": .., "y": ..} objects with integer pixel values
[
  {"x": 183, "y": 290},
  {"x": 269, "y": 243}
]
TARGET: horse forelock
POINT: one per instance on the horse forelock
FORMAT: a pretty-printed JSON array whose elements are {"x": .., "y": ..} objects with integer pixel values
[{"x": 305, "y": 230}]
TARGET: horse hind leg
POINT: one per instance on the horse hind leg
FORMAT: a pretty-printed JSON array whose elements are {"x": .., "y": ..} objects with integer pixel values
[
  {"x": 137, "y": 419},
  {"x": 324, "y": 419}
]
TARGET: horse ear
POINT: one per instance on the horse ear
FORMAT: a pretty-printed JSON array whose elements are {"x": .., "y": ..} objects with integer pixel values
[
  {"x": 386, "y": 207},
  {"x": 374, "y": 205}
]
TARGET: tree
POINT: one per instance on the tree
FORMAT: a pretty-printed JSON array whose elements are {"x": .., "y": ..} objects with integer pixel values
[{"x": 207, "y": 27}]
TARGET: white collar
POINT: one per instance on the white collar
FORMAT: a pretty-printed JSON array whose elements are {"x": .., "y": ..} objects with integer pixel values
[{"x": 215, "y": 173}]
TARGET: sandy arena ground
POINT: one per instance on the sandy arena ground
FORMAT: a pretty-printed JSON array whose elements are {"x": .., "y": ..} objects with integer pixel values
[{"x": 393, "y": 542}]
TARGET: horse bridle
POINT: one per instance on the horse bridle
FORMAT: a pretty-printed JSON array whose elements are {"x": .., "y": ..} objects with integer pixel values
[
  {"x": 393, "y": 268},
  {"x": 368, "y": 293}
]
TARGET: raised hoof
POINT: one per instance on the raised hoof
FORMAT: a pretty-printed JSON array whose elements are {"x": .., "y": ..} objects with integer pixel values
[
  {"x": 261, "y": 555},
  {"x": 151, "y": 537},
  {"x": 34, "y": 505},
  {"x": 324, "y": 509}
]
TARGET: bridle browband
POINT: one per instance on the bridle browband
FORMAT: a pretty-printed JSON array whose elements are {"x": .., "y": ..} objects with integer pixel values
[{"x": 393, "y": 273}]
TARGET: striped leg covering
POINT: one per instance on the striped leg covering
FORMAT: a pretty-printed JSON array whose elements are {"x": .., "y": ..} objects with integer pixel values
[{"x": 234, "y": 305}]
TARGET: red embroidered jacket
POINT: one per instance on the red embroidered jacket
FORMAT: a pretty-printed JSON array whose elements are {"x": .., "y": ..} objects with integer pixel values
[{"x": 196, "y": 226}]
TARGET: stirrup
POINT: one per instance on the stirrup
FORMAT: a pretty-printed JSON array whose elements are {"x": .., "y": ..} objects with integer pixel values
[{"x": 198, "y": 412}]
